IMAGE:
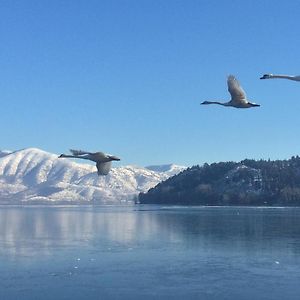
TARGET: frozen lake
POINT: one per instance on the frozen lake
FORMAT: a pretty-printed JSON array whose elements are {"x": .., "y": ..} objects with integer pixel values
[{"x": 149, "y": 252}]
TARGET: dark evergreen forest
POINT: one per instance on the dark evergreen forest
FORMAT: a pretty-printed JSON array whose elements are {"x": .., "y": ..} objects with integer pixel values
[{"x": 249, "y": 182}]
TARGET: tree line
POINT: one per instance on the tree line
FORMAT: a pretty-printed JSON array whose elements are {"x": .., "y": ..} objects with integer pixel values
[{"x": 249, "y": 182}]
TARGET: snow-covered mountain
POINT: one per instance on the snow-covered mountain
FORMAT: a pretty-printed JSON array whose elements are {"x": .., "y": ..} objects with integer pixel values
[
  {"x": 35, "y": 176},
  {"x": 4, "y": 152},
  {"x": 170, "y": 169}
]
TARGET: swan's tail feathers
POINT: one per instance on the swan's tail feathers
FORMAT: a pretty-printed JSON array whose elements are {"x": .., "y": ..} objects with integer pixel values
[{"x": 79, "y": 152}]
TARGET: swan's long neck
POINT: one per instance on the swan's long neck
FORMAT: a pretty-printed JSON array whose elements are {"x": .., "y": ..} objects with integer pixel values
[
  {"x": 73, "y": 156},
  {"x": 283, "y": 76},
  {"x": 215, "y": 102}
]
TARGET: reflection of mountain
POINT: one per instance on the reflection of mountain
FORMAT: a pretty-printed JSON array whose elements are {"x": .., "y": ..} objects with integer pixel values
[
  {"x": 31, "y": 230},
  {"x": 42, "y": 230},
  {"x": 32, "y": 175}
]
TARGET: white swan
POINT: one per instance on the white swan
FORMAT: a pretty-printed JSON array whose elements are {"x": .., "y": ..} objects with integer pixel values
[
  {"x": 238, "y": 96},
  {"x": 103, "y": 161},
  {"x": 290, "y": 77}
]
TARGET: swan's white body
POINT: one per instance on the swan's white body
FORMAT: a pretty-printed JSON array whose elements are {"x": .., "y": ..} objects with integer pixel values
[
  {"x": 273, "y": 76},
  {"x": 238, "y": 95},
  {"x": 102, "y": 160}
]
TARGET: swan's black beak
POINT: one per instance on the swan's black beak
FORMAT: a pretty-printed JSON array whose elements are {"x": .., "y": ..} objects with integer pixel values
[
  {"x": 112, "y": 157},
  {"x": 255, "y": 105},
  {"x": 264, "y": 77}
]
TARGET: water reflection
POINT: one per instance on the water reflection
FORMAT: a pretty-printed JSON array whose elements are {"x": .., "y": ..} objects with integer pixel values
[
  {"x": 230, "y": 230},
  {"x": 41, "y": 230},
  {"x": 146, "y": 252}
]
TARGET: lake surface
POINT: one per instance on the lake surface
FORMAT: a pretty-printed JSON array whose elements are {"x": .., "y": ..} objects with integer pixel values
[{"x": 149, "y": 252}]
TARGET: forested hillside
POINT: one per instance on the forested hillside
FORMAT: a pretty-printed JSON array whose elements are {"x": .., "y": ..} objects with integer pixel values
[{"x": 248, "y": 182}]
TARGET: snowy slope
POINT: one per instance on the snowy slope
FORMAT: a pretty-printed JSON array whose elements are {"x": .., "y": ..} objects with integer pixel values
[
  {"x": 169, "y": 169},
  {"x": 33, "y": 175},
  {"x": 4, "y": 152}
]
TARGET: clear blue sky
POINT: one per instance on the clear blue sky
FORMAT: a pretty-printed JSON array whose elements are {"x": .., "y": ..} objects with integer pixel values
[{"x": 127, "y": 77}]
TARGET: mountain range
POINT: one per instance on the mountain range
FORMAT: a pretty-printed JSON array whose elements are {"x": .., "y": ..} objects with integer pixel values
[{"x": 34, "y": 176}]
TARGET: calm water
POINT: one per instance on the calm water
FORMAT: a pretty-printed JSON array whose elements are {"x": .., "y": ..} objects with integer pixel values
[{"x": 149, "y": 252}]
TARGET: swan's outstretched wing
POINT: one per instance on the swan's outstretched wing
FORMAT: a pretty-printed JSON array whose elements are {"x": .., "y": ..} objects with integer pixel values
[
  {"x": 79, "y": 152},
  {"x": 236, "y": 91},
  {"x": 103, "y": 168}
]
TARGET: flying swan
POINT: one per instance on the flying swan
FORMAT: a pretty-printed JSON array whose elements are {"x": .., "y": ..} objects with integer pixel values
[
  {"x": 238, "y": 95},
  {"x": 102, "y": 160},
  {"x": 290, "y": 77}
]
